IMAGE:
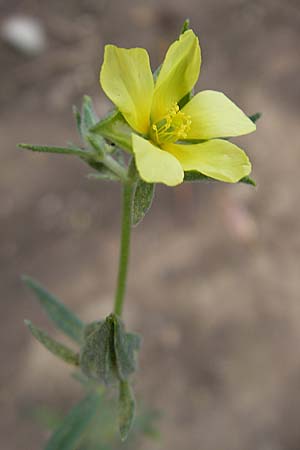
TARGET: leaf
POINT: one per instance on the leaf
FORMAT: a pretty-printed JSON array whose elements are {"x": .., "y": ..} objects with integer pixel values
[
  {"x": 75, "y": 425},
  {"x": 126, "y": 409},
  {"x": 194, "y": 176},
  {"x": 143, "y": 197},
  {"x": 255, "y": 117},
  {"x": 109, "y": 353},
  {"x": 77, "y": 117},
  {"x": 97, "y": 358},
  {"x": 58, "y": 349},
  {"x": 88, "y": 116},
  {"x": 125, "y": 347},
  {"x": 54, "y": 149},
  {"x": 115, "y": 129},
  {"x": 64, "y": 319}
]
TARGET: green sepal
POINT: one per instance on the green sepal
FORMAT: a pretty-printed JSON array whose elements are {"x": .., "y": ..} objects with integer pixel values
[
  {"x": 115, "y": 129},
  {"x": 108, "y": 352},
  {"x": 142, "y": 201},
  {"x": 64, "y": 319},
  {"x": 126, "y": 410},
  {"x": 255, "y": 117},
  {"x": 73, "y": 429},
  {"x": 194, "y": 176},
  {"x": 186, "y": 99},
  {"x": 185, "y": 26},
  {"x": 55, "y": 149},
  {"x": 58, "y": 349}
]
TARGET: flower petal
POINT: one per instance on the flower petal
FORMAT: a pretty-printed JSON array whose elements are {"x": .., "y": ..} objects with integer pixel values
[
  {"x": 178, "y": 74},
  {"x": 214, "y": 115},
  {"x": 127, "y": 80},
  {"x": 217, "y": 159},
  {"x": 155, "y": 165}
]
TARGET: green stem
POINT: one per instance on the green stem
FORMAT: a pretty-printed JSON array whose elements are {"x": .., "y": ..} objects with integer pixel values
[{"x": 128, "y": 190}]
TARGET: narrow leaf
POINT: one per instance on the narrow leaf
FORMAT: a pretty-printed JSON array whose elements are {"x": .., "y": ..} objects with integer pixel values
[
  {"x": 53, "y": 346},
  {"x": 77, "y": 117},
  {"x": 255, "y": 117},
  {"x": 53, "y": 149},
  {"x": 115, "y": 129},
  {"x": 75, "y": 425},
  {"x": 88, "y": 116},
  {"x": 63, "y": 318},
  {"x": 142, "y": 202},
  {"x": 194, "y": 176},
  {"x": 126, "y": 409}
]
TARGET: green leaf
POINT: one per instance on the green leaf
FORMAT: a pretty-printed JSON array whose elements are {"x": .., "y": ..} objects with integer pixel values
[
  {"x": 194, "y": 176},
  {"x": 255, "y": 117},
  {"x": 77, "y": 117},
  {"x": 88, "y": 116},
  {"x": 143, "y": 197},
  {"x": 75, "y": 425},
  {"x": 109, "y": 353},
  {"x": 97, "y": 354},
  {"x": 185, "y": 26},
  {"x": 53, "y": 346},
  {"x": 54, "y": 149},
  {"x": 126, "y": 409},
  {"x": 64, "y": 319},
  {"x": 115, "y": 129},
  {"x": 125, "y": 347}
]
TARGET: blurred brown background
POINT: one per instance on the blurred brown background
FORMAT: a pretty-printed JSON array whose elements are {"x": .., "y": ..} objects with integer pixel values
[{"x": 214, "y": 281}]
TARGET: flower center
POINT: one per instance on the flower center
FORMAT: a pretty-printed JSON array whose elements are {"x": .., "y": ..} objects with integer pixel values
[{"x": 173, "y": 127}]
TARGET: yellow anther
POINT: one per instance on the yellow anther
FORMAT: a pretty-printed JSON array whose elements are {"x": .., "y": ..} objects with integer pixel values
[{"x": 173, "y": 127}]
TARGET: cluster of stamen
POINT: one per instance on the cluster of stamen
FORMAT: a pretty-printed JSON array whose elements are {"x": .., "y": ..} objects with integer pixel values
[{"x": 173, "y": 127}]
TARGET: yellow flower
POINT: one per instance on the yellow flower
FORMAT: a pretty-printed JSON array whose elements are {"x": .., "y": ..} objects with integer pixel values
[{"x": 164, "y": 139}]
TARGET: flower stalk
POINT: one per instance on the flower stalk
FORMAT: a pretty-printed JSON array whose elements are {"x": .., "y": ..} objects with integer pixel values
[{"x": 127, "y": 201}]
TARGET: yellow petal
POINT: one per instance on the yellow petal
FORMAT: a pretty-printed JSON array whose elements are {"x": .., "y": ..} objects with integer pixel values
[
  {"x": 217, "y": 159},
  {"x": 178, "y": 74},
  {"x": 155, "y": 165},
  {"x": 127, "y": 80},
  {"x": 213, "y": 115}
]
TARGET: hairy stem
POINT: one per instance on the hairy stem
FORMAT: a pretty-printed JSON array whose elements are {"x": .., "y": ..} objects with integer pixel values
[{"x": 127, "y": 198}]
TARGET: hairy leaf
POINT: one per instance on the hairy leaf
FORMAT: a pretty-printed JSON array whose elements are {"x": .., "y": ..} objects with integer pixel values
[
  {"x": 143, "y": 197},
  {"x": 54, "y": 149},
  {"x": 58, "y": 349},
  {"x": 125, "y": 347},
  {"x": 64, "y": 319},
  {"x": 126, "y": 409},
  {"x": 97, "y": 354}
]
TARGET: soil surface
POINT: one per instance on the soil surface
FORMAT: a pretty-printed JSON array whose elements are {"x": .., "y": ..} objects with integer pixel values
[{"x": 214, "y": 281}]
